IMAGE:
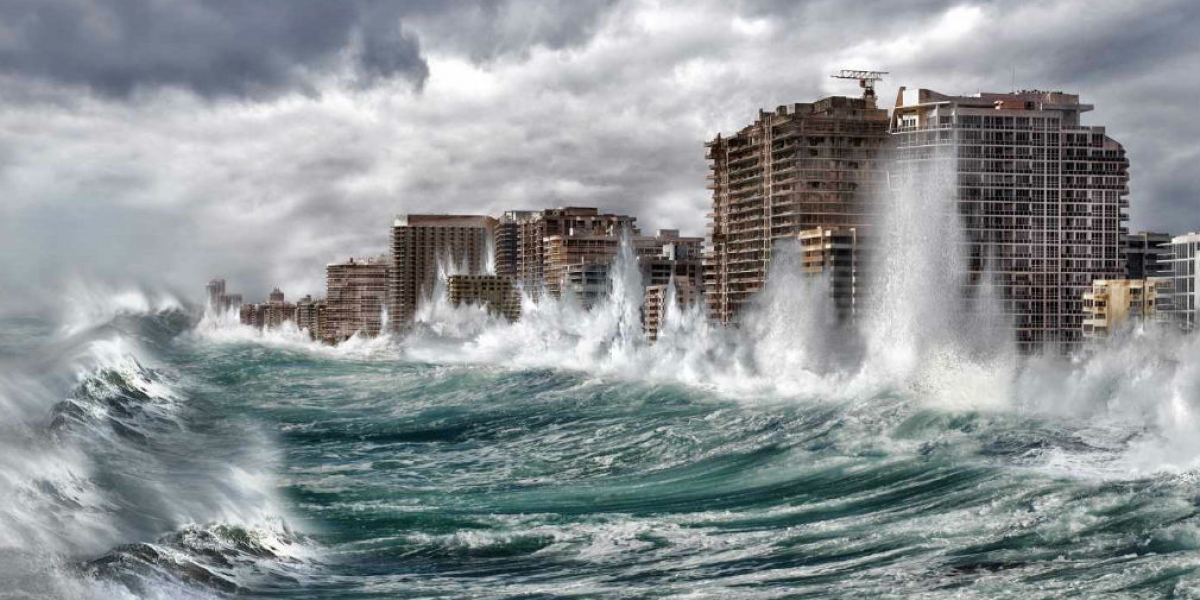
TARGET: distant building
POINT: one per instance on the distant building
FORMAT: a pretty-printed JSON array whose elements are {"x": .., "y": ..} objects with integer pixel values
[
  {"x": 587, "y": 281},
  {"x": 834, "y": 253},
  {"x": 499, "y": 294},
  {"x": 1041, "y": 196},
  {"x": 802, "y": 166},
  {"x": 508, "y": 242},
  {"x": 1184, "y": 274},
  {"x": 311, "y": 316},
  {"x": 552, "y": 238},
  {"x": 1144, "y": 251},
  {"x": 668, "y": 256},
  {"x": 687, "y": 294},
  {"x": 355, "y": 297},
  {"x": 216, "y": 293},
  {"x": 276, "y": 297},
  {"x": 1109, "y": 304},
  {"x": 419, "y": 244}
]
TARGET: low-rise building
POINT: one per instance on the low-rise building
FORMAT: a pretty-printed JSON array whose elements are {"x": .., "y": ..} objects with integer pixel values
[
  {"x": 499, "y": 294},
  {"x": 1110, "y": 304}
]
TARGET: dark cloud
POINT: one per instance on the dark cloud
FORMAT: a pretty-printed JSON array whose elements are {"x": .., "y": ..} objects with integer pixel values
[
  {"x": 212, "y": 47},
  {"x": 524, "y": 104}
]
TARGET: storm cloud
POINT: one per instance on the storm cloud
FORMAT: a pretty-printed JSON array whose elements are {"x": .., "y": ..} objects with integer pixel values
[{"x": 160, "y": 143}]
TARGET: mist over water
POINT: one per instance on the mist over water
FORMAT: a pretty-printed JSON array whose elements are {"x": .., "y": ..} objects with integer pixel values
[{"x": 150, "y": 451}]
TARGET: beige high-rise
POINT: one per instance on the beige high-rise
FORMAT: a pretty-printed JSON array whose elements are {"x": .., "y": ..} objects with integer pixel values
[
  {"x": 802, "y": 166},
  {"x": 420, "y": 243},
  {"x": 355, "y": 294}
]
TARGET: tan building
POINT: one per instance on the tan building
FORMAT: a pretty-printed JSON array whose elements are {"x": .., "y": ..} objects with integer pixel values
[
  {"x": 537, "y": 231},
  {"x": 834, "y": 253},
  {"x": 573, "y": 259},
  {"x": 355, "y": 296},
  {"x": 508, "y": 242},
  {"x": 1042, "y": 197},
  {"x": 1109, "y": 304},
  {"x": 311, "y": 317},
  {"x": 419, "y": 244},
  {"x": 687, "y": 294},
  {"x": 499, "y": 294},
  {"x": 802, "y": 166}
]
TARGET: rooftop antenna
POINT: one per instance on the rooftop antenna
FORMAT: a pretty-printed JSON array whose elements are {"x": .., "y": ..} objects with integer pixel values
[{"x": 866, "y": 81}]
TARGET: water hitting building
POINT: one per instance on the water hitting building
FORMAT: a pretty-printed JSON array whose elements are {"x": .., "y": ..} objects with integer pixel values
[{"x": 426, "y": 246}]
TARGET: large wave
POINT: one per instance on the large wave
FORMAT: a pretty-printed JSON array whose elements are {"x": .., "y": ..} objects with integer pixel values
[{"x": 99, "y": 447}]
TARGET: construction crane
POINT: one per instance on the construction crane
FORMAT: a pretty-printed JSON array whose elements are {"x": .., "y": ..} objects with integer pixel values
[{"x": 866, "y": 80}]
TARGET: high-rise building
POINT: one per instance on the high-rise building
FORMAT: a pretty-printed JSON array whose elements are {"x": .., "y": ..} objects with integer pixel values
[
  {"x": 421, "y": 244},
  {"x": 355, "y": 297},
  {"x": 1184, "y": 274},
  {"x": 498, "y": 294},
  {"x": 1143, "y": 254},
  {"x": 216, "y": 293},
  {"x": 668, "y": 256},
  {"x": 537, "y": 232},
  {"x": 803, "y": 166},
  {"x": 686, "y": 294},
  {"x": 276, "y": 297},
  {"x": 833, "y": 252},
  {"x": 1110, "y": 304},
  {"x": 508, "y": 242},
  {"x": 1041, "y": 197},
  {"x": 311, "y": 317}
]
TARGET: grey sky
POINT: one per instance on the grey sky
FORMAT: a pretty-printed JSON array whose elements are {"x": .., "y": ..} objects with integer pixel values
[{"x": 161, "y": 143}]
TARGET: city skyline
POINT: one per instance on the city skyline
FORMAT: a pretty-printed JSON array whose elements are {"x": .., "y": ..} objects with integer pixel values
[{"x": 165, "y": 173}]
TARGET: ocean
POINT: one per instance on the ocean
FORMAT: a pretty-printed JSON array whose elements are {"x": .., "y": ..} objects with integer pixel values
[{"x": 148, "y": 450}]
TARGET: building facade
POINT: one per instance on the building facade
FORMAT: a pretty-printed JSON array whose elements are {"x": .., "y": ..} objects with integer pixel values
[
  {"x": 538, "y": 231},
  {"x": 687, "y": 293},
  {"x": 1144, "y": 252},
  {"x": 1110, "y": 304},
  {"x": 497, "y": 293},
  {"x": 424, "y": 244},
  {"x": 1183, "y": 260},
  {"x": 804, "y": 166},
  {"x": 355, "y": 297},
  {"x": 1041, "y": 197},
  {"x": 833, "y": 252}
]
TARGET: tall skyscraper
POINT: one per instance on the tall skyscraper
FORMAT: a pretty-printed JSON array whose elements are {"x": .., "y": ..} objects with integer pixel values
[
  {"x": 420, "y": 243},
  {"x": 1042, "y": 197},
  {"x": 800, "y": 167},
  {"x": 355, "y": 295},
  {"x": 508, "y": 242}
]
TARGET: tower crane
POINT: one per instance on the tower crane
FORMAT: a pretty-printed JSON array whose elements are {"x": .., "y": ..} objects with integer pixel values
[{"x": 866, "y": 80}]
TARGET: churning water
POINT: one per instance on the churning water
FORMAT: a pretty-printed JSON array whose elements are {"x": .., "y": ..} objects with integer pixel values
[{"x": 145, "y": 452}]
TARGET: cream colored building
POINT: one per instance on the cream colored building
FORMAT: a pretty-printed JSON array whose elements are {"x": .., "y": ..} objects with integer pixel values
[
  {"x": 499, "y": 294},
  {"x": 1110, "y": 304}
]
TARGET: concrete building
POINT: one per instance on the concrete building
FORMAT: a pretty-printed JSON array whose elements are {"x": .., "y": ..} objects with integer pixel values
[
  {"x": 218, "y": 299},
  {"x": 420, "y": 243},
  {"x": 1042, "y": 197},
  {"x": 538, "y": 231},
  {"x": 499, "y": 294},
  {"x": 311, "y": 316},
  {"x": 355, "y": 297},
  {"x": 1183, "y": 260},
  {"x": 802, "y": 166},
  {"x": 1110, "y": 304},
  {"x": 687, "y": 294},
  {"x": 508, "y": 242},
  {"x": 276, "y": 297},
  {"x": 834, "y": 253},
  {"x": 587, "y": 281},
  {"x": 1143, "y": 255},
  {"x": 668, "y": 256}
]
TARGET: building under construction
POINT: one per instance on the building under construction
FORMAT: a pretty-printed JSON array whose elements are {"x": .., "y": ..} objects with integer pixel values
[
  {"x": 423, "y": 245},
  {"x": 1042, "y": 197},
  {"x": 833, "y": 253},
  {"x": 799, "y": 167}
]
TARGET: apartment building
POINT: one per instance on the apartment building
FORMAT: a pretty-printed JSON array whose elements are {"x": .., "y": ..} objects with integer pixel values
[
  {"x": 355, "y": 297},
  {"x": 420, "y": 243},
  {"x": 1041, "y": 196},
  {"x": 687, "y": 293},
  {"x": 508, "y": 242},
  {"x": 1182, "y": 301},
  {"x": 1144, "y": 252},
  {"x": 833, "y": 252},
  {"x": 497, "y": 293},
  {"x": 311, "y": 316},
  {"x": 1110, "y": 304},
  {"x": 536, "y": 230},
  {"x": 803, "y": 166}
]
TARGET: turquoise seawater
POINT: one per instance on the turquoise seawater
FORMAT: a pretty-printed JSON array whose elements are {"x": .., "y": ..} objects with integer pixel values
[{"x": 140, "y": 459}]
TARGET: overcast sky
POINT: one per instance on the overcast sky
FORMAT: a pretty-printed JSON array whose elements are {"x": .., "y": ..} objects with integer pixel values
[{"x": 163, "y": 142}]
